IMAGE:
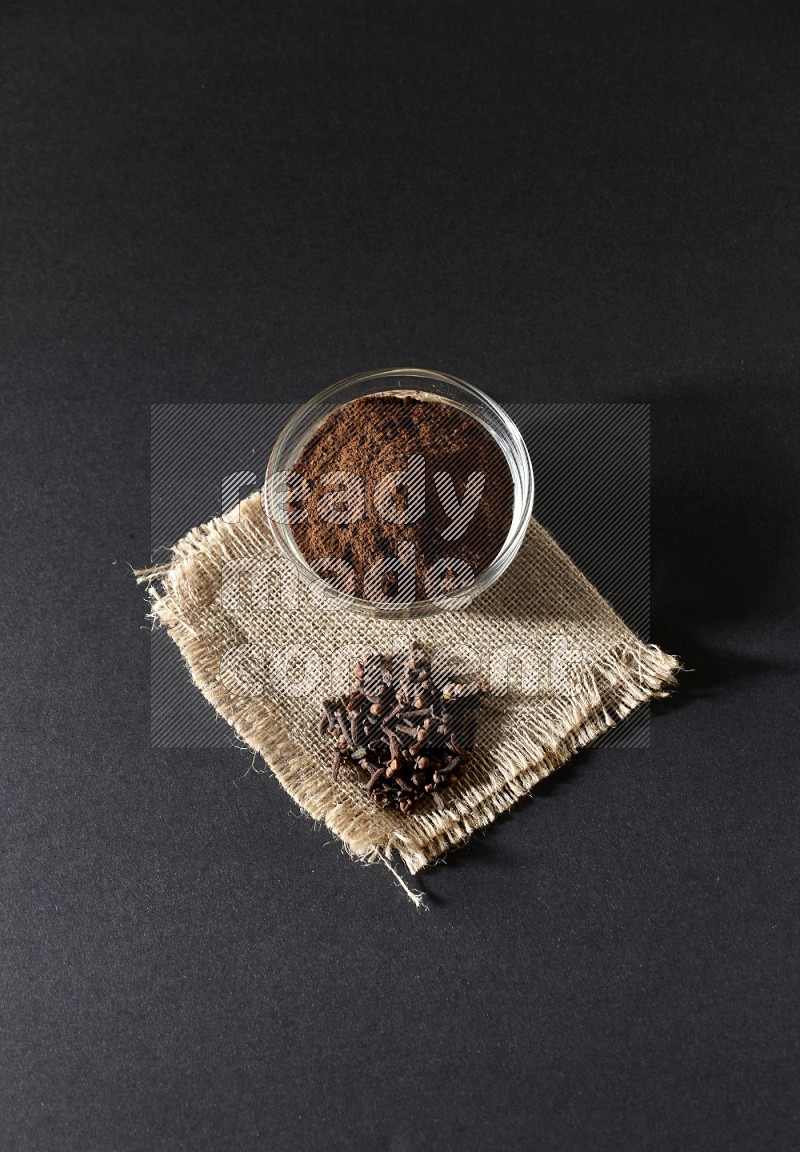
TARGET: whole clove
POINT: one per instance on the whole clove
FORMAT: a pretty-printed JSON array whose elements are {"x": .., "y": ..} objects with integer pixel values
[{"x": 404, "y": 730}]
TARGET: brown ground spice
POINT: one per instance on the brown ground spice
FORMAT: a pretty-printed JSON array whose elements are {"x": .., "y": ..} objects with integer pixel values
[{"x": 377, "y": 435}]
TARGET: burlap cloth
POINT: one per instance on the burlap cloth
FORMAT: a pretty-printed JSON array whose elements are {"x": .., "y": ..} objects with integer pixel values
[{"x": 563, "y": 666}]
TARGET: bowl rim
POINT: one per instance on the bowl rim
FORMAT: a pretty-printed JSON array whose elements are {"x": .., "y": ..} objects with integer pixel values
[{"x": 520, "y": 468}]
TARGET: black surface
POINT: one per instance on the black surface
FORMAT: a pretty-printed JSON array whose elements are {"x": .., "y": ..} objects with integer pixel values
[{"x": 568, "y": 202}]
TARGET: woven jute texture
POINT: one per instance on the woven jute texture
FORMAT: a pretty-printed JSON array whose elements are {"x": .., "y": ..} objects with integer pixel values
[{"x": 264, "y": 651}]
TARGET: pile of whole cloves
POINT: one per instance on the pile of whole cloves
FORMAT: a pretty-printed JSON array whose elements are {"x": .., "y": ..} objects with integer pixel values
[{"x": 405, "y": 726}]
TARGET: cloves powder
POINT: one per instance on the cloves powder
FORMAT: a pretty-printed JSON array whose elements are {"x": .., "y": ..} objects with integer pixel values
[{"x": 396, "y": 476}]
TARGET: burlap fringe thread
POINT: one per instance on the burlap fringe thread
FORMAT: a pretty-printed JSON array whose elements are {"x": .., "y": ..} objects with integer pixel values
[{"x": 542, "y": 594}]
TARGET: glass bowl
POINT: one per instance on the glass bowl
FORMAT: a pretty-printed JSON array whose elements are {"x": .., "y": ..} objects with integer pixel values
[{"x": 424, "y": 385}]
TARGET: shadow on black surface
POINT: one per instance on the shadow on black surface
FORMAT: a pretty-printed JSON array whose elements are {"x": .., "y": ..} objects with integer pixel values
[
  {"x": 724, "y": 485},
  {"x": 483, "y": 846},
  {"x": 707, "y": 671}
]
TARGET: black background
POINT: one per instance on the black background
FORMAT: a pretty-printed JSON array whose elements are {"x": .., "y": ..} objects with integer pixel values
[{"x": 558, "y": 202}]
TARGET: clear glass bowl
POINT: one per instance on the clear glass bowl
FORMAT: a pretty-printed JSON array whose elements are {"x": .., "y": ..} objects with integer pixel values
[{"x": 425, "y": 385}]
